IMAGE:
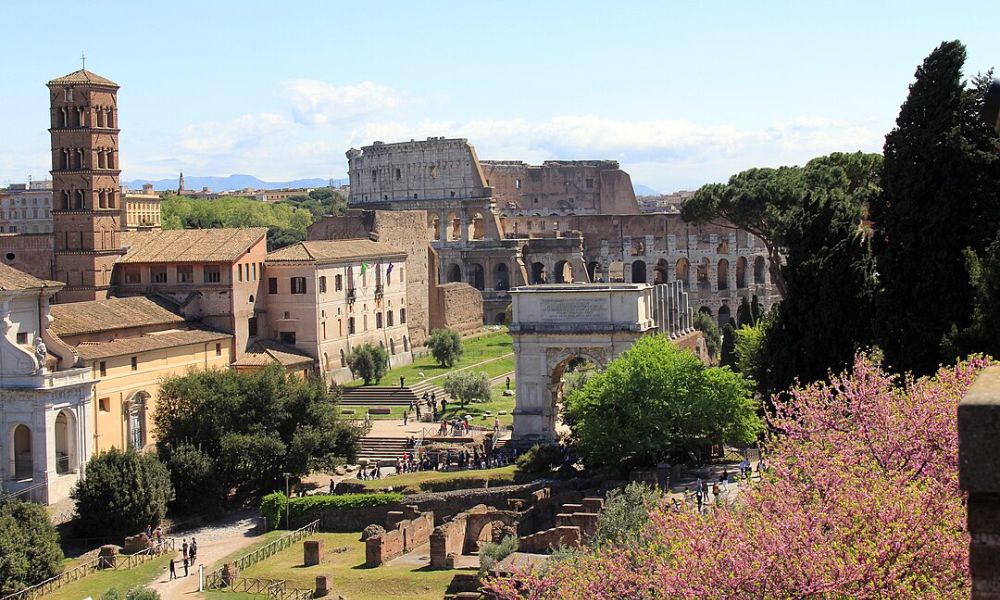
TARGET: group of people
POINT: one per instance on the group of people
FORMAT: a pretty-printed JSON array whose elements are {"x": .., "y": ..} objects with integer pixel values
[{"x": 189, "y": 552}]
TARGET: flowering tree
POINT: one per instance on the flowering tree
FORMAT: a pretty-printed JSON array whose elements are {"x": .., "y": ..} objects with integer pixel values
[{"x": 862, "y": 501}]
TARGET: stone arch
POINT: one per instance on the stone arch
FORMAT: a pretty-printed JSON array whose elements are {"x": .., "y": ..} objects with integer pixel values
[
  {"x": 638, "y": 271},
  {"x": 477, "y": 276},
  {"x": 616, "y": 272},
  {"x": 703, "y": 281},
  {"x": 758, "y": 270},
  {"x": 434, "y": 226},
  {"x": 706, "y": 309},
  {"x": 454, "y": 227},
  {"x": 538, "y": 274},
  {"x": 724, "y": 315},
  {"x": 22, "y": 458},
  {"x": 681, "y": 270},
  {"x": 65, "y": 442},
  {"x": 477, "y": 226},
  {"x": 135, "y": 420},
  {"x": 661, "y": 272},
  {"x": 594, "y": 271},
  {"x": 563, "y": 272},
  {"x": 741, "y": 272},
  {"x": 722, "y": 274},
  {"x": 454, "y": 273},
  {"x": 501, "y": 275}
]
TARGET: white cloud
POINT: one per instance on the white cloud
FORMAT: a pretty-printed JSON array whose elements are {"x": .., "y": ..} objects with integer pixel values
[{"x": 319, "y": 103}]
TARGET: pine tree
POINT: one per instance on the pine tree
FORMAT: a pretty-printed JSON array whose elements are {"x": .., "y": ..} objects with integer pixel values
[{"x": 939, "y": 197}]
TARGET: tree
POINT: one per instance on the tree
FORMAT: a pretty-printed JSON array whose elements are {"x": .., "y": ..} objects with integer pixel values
[
  {"x": 196, "y": 484},
  {"x": 981, "y": 334},
  {"x": 468, "y": 386},
  {"x": 858, "y": 503},
  {"x": 29, "y": 546},
  {"x": 940, "y": 196},
  {"x": 654, "y": 403},
  {"x": 705, "y": 323},
  {"x": 749, "y": 340},
  {"x": 254, "y": 426},
  {"x": 728, "y": 358},
  {"x": 446, "y": 346},
  {"x": 369, "y": 362},
  {"x": 625, "y": 515},
  {"x": 121, "y": 493},
  {"x": 745, "y": 314}
]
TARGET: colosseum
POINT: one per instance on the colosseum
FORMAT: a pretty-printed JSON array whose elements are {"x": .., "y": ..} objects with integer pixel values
[{"x": 498, "y": 224}]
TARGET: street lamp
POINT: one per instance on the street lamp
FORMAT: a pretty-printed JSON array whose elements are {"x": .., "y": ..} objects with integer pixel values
[{"x": 288, "y": 501}]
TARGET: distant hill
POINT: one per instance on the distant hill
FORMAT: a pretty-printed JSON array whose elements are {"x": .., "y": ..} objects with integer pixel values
[
  {"x": 233, "y": 182},
  {"x": 644, "y": 190}
]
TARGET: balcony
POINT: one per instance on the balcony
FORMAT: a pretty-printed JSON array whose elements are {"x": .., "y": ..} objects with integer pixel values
[
  {"x": 352, "y": 295},
  {"x": 379, "y": 292}
]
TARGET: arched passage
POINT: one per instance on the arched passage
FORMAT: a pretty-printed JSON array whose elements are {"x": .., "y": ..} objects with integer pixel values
[
  {"x": 563, "y": 272},
  {"x": 594, "y": 271},
  {"x": 616, "y": 272},
  {"x": 538, "y": 274},
  {"x": 454, "y": 273},
  {"x": 502, "y": 276},
  {"x": 758, "y": 270},
  {"x": 434, "y": 227},
  {"x": 638, "y": 271},
  {"x": 21, "y": 450},
  {"x": 724, "y": 315},
  {"x": 661, "y": 272},
  {"x": 722, "y": 274},
  {"x": 477, "y": 227},
  {"x": 703, "y": 282},
  {"x": 65, "y": 434},
  {"x": 477, "y": 276},
  {"x": 454, "y": 227},
  {"x": 741, "y": 272},
  {"x": 681, "y": 270}
]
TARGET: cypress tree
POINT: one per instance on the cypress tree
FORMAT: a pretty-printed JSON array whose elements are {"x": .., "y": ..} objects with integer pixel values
[{"x": 939, "y": 198}]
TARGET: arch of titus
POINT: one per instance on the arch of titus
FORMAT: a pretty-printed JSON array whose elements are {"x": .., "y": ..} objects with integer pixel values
[{"x": 553, "y": 324}]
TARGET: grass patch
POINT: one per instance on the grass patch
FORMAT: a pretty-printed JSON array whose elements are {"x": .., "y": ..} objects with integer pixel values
[
  {"x": 259, "y": 542},
  {"x": 347, "y": 575},
  {"x": 98, "y": 583},
  {"x": 497, "y": 403},
  {"x": 478, "y": 349},
  {"x": 440, "y": 481}
]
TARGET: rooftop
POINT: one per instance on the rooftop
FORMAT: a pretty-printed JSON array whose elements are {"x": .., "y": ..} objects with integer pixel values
[
  {"x": 83, "y": 76},
  {"x": 12, "y": 279},
  {"x": 265, "y": 352},
  {"x": 189, "y": 245},
  {"x": 334, "y": 250},
  {"x": 104, "y": 315},
  {"x": 151, "y": 341}
]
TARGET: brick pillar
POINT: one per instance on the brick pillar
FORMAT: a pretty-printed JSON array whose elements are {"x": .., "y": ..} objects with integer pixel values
[{"x": 979, "y": 475}]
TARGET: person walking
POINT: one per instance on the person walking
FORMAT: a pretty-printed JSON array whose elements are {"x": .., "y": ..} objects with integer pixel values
[
  {"x": 496, "y": 425},
  {"x": 186, "y": 563},
  {"x": 184, "y": 549},
  {"x": 402, "y": 382},
  {"x": 699, "y": 498},
  {"x": 406, "y": 416},
  {"x": 444, "y": 404},
  {"x": 418, "y": 412},
  {"x": 193, "y": 550},
  {"x": 508, "y": 383},
  {"x": 173, "y": 569}
]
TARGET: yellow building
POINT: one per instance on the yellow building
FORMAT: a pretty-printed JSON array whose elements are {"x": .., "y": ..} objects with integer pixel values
[{"x": 129, "y": 345}]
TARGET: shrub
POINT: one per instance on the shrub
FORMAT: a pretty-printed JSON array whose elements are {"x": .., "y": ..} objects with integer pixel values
[
  {"x": 446, "y": 346},
  {"x": 468, "y": 386},
  {"x": 540, "y": 458},
  {"x": 136, "y": 593},
  {"x": 369, "y": 362},
  {"x": 29, "y": 546},
  {"x": 492, "y": 553},
  {"x": 196, "y": 484},
  {"x": 121, "y": 493},
  {"x": 625, "y": 513},
  {"x": 308, "y": 508},
  {"x": 706, "y": 324}
]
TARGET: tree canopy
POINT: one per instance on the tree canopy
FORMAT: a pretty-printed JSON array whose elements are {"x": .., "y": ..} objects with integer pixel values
[
  {"x": 29, "y": 546},
  {"x": 369, "y": 362},
  {"x": 468, "y": 386},
  {"x": 121, "y": 493},
  {"x": 654, "y": 403},
  {"x": 445, "y": 345}
]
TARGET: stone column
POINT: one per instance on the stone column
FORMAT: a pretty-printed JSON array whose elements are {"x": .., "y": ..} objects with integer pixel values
[
  {"x": 463, "y": 235},
  {"x": 732, "y": 274},
  {"x": 444, "y": 225},
  {"x": 713, "y": 276},
  {"x": 979, "y": 475}
]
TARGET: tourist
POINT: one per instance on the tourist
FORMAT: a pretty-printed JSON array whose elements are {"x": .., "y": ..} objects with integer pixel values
[
  {"x": 425, "y": 397},
  {"x": 418, "y": 412},
  {"x": 159, "y": 535},
  {"x": 332, "y": 486},
  {"x": 402, "y": 383},
  {"x": 186, "y": 566},
  {"x": 496, "y": 425},
  {"x": 699, "y": 498},
  {"x": 193, "y": 551},
  {"x": 717, "y": 493},
  {"x": 149, "y": 531},
  {"x": 173, "y": 569},
  {"x": 444, "y": 404},
  {"x": 724, "y": 476},
  {"x": 406, "y": 416},
  {"x": 508, "y": 383},
  {"x": 184, "y": 549}
]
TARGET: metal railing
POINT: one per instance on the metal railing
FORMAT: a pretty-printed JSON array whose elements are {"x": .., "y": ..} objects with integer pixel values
[
  {"x": 277, "y": 589},
  {"x": 101, "y": 563},
  {"x": 216, "y": 580}
]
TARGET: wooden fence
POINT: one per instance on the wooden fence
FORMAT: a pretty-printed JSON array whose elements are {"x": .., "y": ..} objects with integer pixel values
[
  {"x": 101, "y": 563},
  {"x": 276, "y": 589},
  {"x": 216, "y": 580}
]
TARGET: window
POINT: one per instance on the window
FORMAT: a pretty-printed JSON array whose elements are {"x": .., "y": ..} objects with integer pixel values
[
  {"x": 343, "y": 358},
  {"x": 105, "y": 404},
  {"x": 103, "y": 368},
  {"x": 374, "y": 174},
  {"x": 298, "y": 285},
  {"x": 517, "y": 184},
  {"x": 133, "y": 276},
  {"x": 399, "y": 175},
  {"x": 322, "y": 285},
  {"x": 287, "y": 337},
  {"x": 135, "y": 363},
  {"x": 22, "y": 337},
  {"x": 218, "y": 349},
  {"x": 364, "y": 322},
  {"x": 272, "y": 285},
  {"x": 324, "y": 330},
  {"x": 388, "y": 318},
  {"x": 590, "y": 184},
  {"x": 239, "y": 272},
  {"x": 350, "y": 326},
  {"x": 378, "y": 320},
  {"x": 252, "y": 326},
  {"x": 212, "y": 274},
  {"x": 185, "y": 274},
  {"x": 402, "y": 316},
  {"x": 158, "y": 274},
  {"x": 254, "y": 270},
  {"x": 286, "y": 315},
  {"x": 338, "y": 282}
]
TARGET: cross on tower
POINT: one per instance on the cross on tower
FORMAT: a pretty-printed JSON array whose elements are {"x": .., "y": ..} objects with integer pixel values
[{"x": 83, "y": 60}]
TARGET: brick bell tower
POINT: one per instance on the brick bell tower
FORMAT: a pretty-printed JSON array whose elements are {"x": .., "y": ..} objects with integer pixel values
[{"x": 86, "y": 192}]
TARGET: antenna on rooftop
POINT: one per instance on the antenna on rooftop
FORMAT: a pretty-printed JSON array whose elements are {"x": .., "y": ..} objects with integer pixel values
[{"x": 83, "y": 60}]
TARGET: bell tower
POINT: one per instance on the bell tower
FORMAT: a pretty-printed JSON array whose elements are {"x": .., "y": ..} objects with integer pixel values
[{"x": 86, "y": 192}]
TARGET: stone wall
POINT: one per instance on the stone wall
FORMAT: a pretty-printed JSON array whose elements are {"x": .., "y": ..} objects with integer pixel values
[
  {"x": 695, "y": 342},
  {"x": 458, "y": 306},
  {"x": 564, "y": 187},
  {"x": 405, "y": 530},
  {"x": 31, "y": 253},
  {"x": 545, "y": 541}
]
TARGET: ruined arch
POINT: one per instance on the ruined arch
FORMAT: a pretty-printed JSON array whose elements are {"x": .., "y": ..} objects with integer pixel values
[
  {"x": 616, "y": 272},
  {"x": 681, "y": 270},
  {"x": 661, "y": 272},
  {"x": 454, "y": 225},
  {"x": 638, "y": 271},
  {"x": 594, "y": 271},
  {"x": 477, "y": 226},
  {"x": 477, "y": 276},
  {"x": 563, "y": 272},
  {"x": 538, "y": 273},
  {"x": 741, "y": 273},
  {"x": 722, "y": 274},
  {"x": 703, "y": 281},
  {"x": 454, "y": 273},
  {"x": 501, "y": 275},
  {"x": 758, "y": 270},
  {"x": 724, "y": 314}
]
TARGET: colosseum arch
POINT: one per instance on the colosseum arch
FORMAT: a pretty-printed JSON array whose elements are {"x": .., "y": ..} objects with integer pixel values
[{"x": 741, "y": 272}]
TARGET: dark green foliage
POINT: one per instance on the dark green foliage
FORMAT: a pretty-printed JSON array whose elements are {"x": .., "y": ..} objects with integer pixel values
[
  {"x": 309, "y": 508},
  {"x": 540, "y": 458},
  {"x": 369, "y": 362},
  {"x": 446, "y": 346},
  {"x": 493, "y": 552},
  {"x": 254, "y": 426},
  {"x": 728, "y": 358},
  {"x": 625, "y": 514},
  {"x": 136, "y": 593},
  {"x": 705, "y": 323},
  {"x": 196, "y": 484},
  {"x": 121, "y": 493},
  {"x": 654, "y": 403},
  {"x": 940, "y": 197},
  {"x": 29, "y": 546},
  {"x": 981, "y": 336},
  {"x": 279, "y": 237},
  {"x": 744, "y": 314}
]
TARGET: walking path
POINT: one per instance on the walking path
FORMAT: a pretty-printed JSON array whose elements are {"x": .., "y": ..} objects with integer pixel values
[{"x": 215, "y": 542}]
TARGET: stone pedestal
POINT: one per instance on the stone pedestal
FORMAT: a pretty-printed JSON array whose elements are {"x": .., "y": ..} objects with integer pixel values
[
  {"x": 109, "y": 556},
  {"x": 312, "y": 552},
  {"x": 322, "y": 586}
]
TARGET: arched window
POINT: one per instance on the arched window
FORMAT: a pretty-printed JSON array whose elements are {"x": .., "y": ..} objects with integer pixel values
[
  {"x": 136, "y": 425},
  {"x": 23, "y": 461},
  {"x": 402, "y": 316},
  {"x": 406, "y": 344},
  {"x": 392, "y": 346},
  {"x": 343, "y": 358},
  {"x": 722, "y": 274},
  {"x": 338, "y": 282}
]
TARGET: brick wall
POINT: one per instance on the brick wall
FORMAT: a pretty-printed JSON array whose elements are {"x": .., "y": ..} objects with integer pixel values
[
  {"x": 544, "y": 541},
  {"x": 458, "y": 306},
  {"x": 408, "y": 529},
  {"x": 31, "y": 253}
]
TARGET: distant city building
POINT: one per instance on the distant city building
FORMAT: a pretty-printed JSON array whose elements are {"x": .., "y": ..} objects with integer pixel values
[
  {"x": 272, "y": 196},
  {"x": 664, "y": 203},
  {"x": 26, "y": 208},
  {"x": 141, "y": 210}
]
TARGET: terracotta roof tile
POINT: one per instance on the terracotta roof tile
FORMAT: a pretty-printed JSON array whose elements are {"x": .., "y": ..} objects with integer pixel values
[
  {"x": 83, "y": 76},
  {"x": 334, "y": 250},
  {"x": 150, "y": 341},
  {"x": 189, "y": 245},
  {"x": 104, "y": 315},
  {"x": 14, "y": 279},
  {"x": 265, "y": 352}
]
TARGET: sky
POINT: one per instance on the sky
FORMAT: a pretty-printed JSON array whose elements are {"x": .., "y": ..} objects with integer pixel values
[{"x": 680, "y": 93}]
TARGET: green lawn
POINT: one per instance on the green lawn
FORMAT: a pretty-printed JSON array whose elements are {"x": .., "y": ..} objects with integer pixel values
[
  {"x": 478, "y": 349},
  {"x": 423, "y": 481},
  {"x": 348, "y": 577},
  {"x": 98, "y": 583},
  {"x": 497, "y": 403},
  {"x": 261, "y": 540}
]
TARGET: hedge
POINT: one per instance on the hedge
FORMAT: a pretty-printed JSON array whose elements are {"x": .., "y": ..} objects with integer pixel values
[{"x": 308, "y": 508}]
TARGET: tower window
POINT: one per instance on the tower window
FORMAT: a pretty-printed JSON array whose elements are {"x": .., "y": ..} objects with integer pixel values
[
  {"x": 135, "y": 363},
  {"x": 590, "y": 184},
  {"x": 298, "y": 285},
  {"x": 399, "y": 175},
  {"x": 252, "y": 326}
]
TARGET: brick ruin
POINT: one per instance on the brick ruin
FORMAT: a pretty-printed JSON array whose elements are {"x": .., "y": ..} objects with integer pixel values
[{"x": 404, "y": 530}]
